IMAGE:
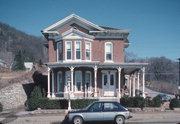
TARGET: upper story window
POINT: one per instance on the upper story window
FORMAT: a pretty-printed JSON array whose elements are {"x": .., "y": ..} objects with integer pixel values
[
  {"x": 108, "y": 51},
  {"x": 78, "y": 50},
  {"x": 88, "y": 50},
  {"x": 68, "y": 50},
  {"x": 59, "y": 51}
]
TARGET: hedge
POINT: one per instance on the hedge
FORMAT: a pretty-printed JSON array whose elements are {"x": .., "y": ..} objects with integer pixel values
[
  {"x": 132, "y": 101},
  {"x": 45, "y": 103},
  {"x": 175, "y": 103},
  {"x": 38, "y": 100},
  {"x": 140, "y": 102},
  {"x": 1, "y": 107},
  {"x": 81, "y": 103}
]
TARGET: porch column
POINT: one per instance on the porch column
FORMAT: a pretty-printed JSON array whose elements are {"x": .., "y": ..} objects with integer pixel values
[
  {"x": 143, "y": 81},
  {"x": 119, "y": 82},
  {"x": 134, "y": 89},
  {"x": 95, "y": 81},
  {"x": 48, "y": 93},
  {"x": 130, "y": 79},
  {"x": 53, "y": 95},
  {"x": 138, "y": 80},
  {"x": 72, "y": 80}
]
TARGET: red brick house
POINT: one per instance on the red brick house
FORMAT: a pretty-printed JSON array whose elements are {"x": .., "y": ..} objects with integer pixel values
[{"x": 89, "y": 59}]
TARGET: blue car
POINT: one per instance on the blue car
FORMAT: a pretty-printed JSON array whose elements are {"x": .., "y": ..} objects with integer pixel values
[
  {"x": 165, "y": 97},
  {"x": 100, "y": 111}
]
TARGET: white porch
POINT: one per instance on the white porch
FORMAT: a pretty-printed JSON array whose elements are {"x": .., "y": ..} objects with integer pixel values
[{"x": 120, "y": 78}]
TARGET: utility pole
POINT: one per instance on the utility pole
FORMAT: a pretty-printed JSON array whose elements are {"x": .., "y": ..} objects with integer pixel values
[{"x": 179, "y": 77}]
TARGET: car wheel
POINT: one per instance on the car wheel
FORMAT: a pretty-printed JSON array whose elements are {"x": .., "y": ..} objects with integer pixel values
[
  {"x": 77, "y": 120},
  {"x": 119, "y": 120}
]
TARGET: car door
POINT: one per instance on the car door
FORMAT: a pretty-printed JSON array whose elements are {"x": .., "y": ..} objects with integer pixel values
[
  {"x": 94, "y": 112},
  {"x": 109, "y": 111}
]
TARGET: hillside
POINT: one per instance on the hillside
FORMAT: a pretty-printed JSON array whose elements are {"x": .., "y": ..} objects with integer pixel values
[{"x": 13, "y": 40}]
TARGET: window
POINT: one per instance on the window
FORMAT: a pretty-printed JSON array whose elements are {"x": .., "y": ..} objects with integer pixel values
[
  {"x": 105, "y": 79},
  {"x": 68, "y": 50},
  {"x": 88, "y": 50},
  {"x": 68, "y": 80},
  {"x": 59, "y": 51},
  {"x": 88, "y": 80},
  {"x": 78, "y": 50},
  {"x": 96, "y": 107},
  {"x": 110, "y": 107},
  {"x": 59, "y": 82},
  {"x": 78, "y": 80},
  {"x": 111, "y": 79},
  {"x": 108, "y": 51}
]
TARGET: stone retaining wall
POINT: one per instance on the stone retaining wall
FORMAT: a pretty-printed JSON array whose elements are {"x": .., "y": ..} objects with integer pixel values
[
  {"x": 147, "y": 109},
  {"x": 13, "y": 96}
]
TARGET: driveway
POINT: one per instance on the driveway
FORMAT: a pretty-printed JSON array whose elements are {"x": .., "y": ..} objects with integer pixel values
[{"x": 153, "y": 93}]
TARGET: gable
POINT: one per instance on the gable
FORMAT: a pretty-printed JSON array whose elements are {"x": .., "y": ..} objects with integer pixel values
[
  {"x": 73, "y": 19},
  {"x": 72, "y": 34}
]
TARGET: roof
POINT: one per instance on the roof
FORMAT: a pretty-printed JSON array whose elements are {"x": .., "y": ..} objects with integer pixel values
[
  {"x": 109, "y": 28},
  {"x": 128, "y": 67},
  {"x": 70, "y": 20}
]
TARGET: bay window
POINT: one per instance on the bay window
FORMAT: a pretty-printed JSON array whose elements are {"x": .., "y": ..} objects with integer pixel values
[
  {"x": 68, "y": 50},
  {"x": 78, "y": 50}
]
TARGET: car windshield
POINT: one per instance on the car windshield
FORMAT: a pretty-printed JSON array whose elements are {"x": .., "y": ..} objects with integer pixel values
[{"x": 97, "y": 106}]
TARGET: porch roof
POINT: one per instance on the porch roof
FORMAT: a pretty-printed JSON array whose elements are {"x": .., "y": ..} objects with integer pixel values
[{"x": 128, "y": 67}]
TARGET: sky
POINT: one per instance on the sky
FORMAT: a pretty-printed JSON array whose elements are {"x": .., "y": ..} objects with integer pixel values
[{"x": 154, "y": 24}]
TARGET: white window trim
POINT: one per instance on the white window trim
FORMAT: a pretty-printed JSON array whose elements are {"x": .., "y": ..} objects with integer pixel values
[
  {"x": 106, "y": 50},
  {"x": 57, "y": 54},
  {"x": 90, "y": 86},
  {"x": 80, "y": 50},
  {"x": 58, "y": 90},
  {"x": 87, "y": 42},
  {"x": 76, "y": 90},
  {"x": 66, "y": 51}
]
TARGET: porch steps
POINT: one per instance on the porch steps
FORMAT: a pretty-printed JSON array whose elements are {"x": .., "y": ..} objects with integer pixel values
[{"x": 109, "y": 99}]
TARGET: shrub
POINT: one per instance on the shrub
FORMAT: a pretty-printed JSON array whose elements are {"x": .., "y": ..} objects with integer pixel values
[
  {"x": 125, "y": 101},
  {"x": 34, "y": 101},
  {"x": 132, "y": 101},
  {"x": 81, "y": 103},
  {"x": 175, "y": 103},
  {"x": 156, "y": 101},
  {"x": 1, "y": 107},
  {"x": 138, "y": 102},
  {"x": 36, "y": 93}
]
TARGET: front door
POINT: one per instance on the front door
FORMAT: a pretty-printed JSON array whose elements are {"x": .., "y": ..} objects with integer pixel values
[{"x": 108, "y": 83}]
